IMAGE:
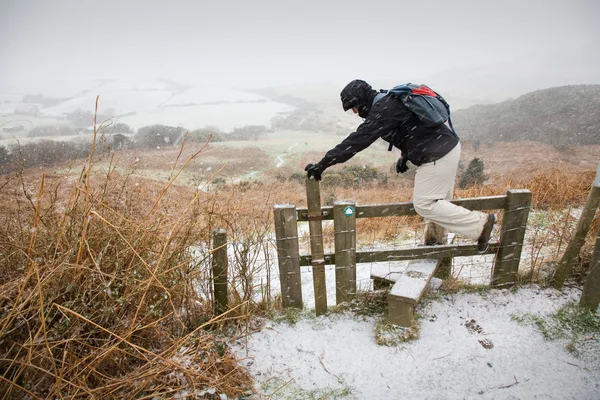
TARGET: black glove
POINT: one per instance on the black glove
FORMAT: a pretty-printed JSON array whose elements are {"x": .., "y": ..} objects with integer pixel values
[
  {"x": 401, "y": 166},
  {"x": 314, "y": 171}
]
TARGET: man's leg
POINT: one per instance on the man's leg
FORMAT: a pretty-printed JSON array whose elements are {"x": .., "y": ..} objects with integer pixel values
[{"x": 433, "y": 185}]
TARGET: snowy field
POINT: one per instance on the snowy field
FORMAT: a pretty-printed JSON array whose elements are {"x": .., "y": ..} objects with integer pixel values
[{"x": 157, "y": 102}]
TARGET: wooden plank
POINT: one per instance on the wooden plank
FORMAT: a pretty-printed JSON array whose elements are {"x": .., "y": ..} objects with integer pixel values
[
  {"x": 219, "y": 270},
  {"x": 315, "y": 227},
  {"x": 399, "y": 209},
  {"x": 411, "y": 285},
  {"x": 455, "y": 250},
  {"x": 423, "y": 252},
  {"x": 514, "y": 224},
  {"x": 590, "y": 297},
  {"x": 583, "y": 226},
  {"x": 286, "y": 234},
  {"x": 344, "y": 220}
]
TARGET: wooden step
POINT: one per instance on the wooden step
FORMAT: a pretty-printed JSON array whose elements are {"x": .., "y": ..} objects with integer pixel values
[{"x": 408, "y": 290}]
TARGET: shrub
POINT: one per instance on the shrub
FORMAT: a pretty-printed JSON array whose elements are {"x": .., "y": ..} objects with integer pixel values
[
  {"x": 203, "y": 135},
  {"x": 120, "y": 141},
  {"x": 473, "y": 175},
  {"x": 159, "y": 135}
]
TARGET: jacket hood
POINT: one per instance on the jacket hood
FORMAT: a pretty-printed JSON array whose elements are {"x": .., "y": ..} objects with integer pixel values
[{"x": 358, "y": 94}]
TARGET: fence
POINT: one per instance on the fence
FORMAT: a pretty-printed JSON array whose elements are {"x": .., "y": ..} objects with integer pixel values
[
  {"x": 590, "y": 297},
  {"x": 516, "y": 205}
]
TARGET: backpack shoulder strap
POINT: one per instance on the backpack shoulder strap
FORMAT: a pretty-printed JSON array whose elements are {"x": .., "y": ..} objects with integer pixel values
[{"x": 382, "y": 93}]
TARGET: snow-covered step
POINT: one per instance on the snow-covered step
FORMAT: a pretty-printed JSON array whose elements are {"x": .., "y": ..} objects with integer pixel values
[
  {"x": 409, "y": 288},
  {"x": 407, "y": 291}
]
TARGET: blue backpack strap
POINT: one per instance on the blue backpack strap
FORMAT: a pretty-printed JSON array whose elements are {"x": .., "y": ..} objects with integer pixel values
[{"x": 382, "y": 93}]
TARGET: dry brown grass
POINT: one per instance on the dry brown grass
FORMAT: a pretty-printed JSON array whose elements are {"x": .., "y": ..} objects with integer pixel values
[{"x": 100, "y": 296}]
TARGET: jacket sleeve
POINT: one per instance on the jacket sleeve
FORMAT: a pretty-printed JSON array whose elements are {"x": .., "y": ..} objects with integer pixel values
[{"x": 378, "y": 123}]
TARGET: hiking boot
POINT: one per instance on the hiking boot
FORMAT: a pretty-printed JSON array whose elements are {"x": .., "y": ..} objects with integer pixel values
[{"x": 484, "y": 240}]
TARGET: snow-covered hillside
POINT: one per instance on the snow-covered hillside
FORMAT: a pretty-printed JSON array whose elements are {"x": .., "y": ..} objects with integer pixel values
[{"x": 140, "y": 104}]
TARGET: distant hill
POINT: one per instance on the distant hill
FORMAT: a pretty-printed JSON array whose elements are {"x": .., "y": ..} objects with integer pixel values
[{"x": 561, "y": 116}]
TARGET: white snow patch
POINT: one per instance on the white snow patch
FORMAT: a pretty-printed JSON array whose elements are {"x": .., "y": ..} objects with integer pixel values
[{"x": 447, "y": 362}]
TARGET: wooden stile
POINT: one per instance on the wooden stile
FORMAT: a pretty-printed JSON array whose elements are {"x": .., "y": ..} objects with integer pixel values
[
  {"x": 583, "y": 227},
  {"x": 344, "y": 221},
  {"x": 219, "y": 270},
  {"x": 315, "y": 218},
  {"x": 506, "y": 265},
  {"x": 435, "y": 258},
  {"x": 286, "y": 232}
]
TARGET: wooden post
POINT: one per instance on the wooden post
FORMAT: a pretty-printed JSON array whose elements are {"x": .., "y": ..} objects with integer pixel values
[
  {"x": 344, "y": 225},
  {"x": 583, "y": 226},
  {"x": 315, "y": 227},
  {"x": 514, "y": 224},
  {"x": 288, "y": 255},
  {"x": 590, "y": 298},
  {"x": 219, "y": 270}
]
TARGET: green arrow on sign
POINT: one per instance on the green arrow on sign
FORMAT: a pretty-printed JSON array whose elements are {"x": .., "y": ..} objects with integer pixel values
[{"x": 349, "y": 211}]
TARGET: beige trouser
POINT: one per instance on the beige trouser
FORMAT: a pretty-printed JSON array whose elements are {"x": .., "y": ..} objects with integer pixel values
[{"x": 434, "y": 183}]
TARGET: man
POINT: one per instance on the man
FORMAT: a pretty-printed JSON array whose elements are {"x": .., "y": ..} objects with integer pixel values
[{"x": 434, "y": 150}]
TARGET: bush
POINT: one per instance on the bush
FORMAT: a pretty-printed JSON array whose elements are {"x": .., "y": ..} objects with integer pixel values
[
  {"x": 159, "y": 135},
  {"x": 202, "y": 135},
  {"x": 120, "y": 141},
  {"x": 473, "y": 175}
]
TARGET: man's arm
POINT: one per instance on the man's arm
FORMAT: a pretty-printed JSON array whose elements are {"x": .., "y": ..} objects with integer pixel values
[{"x": 375, "y": 125}]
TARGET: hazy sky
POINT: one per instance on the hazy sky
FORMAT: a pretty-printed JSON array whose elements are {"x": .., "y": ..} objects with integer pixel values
[{"x": 269, "y": 42}]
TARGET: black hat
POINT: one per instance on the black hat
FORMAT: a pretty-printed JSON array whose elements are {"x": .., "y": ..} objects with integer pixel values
[{"x": 355, "y": 94}]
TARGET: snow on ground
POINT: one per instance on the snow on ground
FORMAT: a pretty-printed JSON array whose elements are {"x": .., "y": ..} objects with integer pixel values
[
  {"x": 212, "y": 94},
  {"x": 117, "y": 102},
  {"x": 336, "y": 356}
]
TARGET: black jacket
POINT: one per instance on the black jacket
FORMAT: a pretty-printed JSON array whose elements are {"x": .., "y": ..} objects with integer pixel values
[{"x": 390, "y": 120}]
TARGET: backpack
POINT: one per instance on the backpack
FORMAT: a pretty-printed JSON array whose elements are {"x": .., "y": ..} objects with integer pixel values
[{"x": 431, "y": 108}]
